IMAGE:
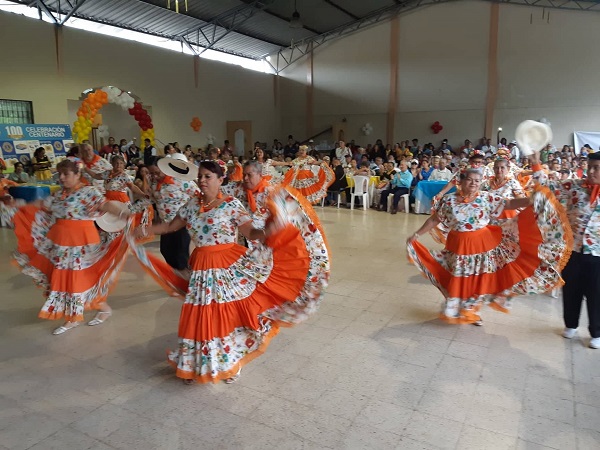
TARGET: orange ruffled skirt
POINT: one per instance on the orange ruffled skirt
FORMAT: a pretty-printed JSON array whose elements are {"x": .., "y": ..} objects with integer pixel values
[
  {"x": 118, "y": 196},
  {"x": 69, "y": 260},
  {"x": 523, "y": 255},
  {"x": 237, "y": 298},
  {"x": 311, "y": 183}
]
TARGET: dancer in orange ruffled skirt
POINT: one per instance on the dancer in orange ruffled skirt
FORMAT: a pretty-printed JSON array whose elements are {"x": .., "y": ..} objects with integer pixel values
[
  {"x": 117, "y": 182},
  {"x": 236, "y": 297},
  {"x": 308, "y": 176},
  {"x": 486, "y": 263},
  {"x": 61, "y": 249}
]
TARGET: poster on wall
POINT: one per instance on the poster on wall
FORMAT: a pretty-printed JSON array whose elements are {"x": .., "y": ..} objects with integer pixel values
[{"x": 18, "y": 142}]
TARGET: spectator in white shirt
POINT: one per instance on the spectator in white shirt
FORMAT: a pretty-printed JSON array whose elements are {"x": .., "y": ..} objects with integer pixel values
[
  {"x": 514, "y": 150},
  {"x": 488, "y": 149},
  {"x": 342, "y": 151},
  {"x": 441, "y": 173}
]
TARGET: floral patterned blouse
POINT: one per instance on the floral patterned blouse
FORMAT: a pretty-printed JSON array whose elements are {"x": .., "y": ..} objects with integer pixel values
[
  {"x": 584, "y": 217},
  {"x": 260, "y": 216},
  {"x": 98, "y": 165},
  {"x": 117, "y": 183},
  {"x": 509, "y": 190},
  {"x": 81, "y": 204},
  {"x": 215, "y": 226},
  {"x": 171, "y": 194},
  {"x": 471, "y": 216},
  {"x": 305, "y": 163}
]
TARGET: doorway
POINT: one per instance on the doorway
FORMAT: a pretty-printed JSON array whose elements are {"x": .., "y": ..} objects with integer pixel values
[{"x": 239, "y": 134}]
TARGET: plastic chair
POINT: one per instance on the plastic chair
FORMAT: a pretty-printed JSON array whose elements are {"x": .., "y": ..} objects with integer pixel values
[
  {"x": 361, "y": 189},
  {"x": 339, "y": 198},
  {"x": 390, "y": 202}
]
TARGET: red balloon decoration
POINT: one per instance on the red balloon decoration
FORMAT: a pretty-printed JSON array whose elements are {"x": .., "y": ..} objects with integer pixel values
[
  {"x": 436, "y": 127},
  {"x": 196, "y": 124},
  {"x": 141, "y": 116}
]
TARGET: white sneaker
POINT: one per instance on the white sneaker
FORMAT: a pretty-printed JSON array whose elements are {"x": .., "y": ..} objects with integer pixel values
[
  {"x": 569, "y": 333},
  {"x": 595, "y": 342}
]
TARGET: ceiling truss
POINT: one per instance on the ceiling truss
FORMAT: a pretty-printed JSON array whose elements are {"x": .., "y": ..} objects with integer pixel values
[{"x": 207, "y": 35}]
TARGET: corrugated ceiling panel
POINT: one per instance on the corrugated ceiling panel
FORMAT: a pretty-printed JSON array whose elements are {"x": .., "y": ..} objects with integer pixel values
[{"x": 263, "y": 33}]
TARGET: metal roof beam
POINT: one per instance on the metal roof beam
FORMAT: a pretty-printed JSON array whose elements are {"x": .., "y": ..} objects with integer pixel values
[
  {"x": 349, "y": 28},
  {"x": 185, "y": 43},
  {"x": 227, "y": 22},
  {"x": 403, "y": 6},
  {"x": 340, "y": 8},
  {"x": 569, "y": 5},
  {"x": 73, "y": 11},
  {"x": 285, "y": 19},
  {"x": 42, "y": 8}
]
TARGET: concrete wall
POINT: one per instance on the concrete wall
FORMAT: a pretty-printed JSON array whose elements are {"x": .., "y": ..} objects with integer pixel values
[
  {"x": 546, "y": 70},
  {"x": 162, "y": 79}
]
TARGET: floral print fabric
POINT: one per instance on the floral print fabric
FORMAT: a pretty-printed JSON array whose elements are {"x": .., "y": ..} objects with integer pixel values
[
  {"x": 237, "y": 286},
  {"x": 215, "y": 226},
  {"x": 118, "y": 182},
  {"x": 509, "y": 190},
  {"x": 171, "y": 195},
  {"x": 80, "y": 205},
  {"x": 584, "y": 217},
  {"x": 471, "y": 216},
  {"x": 552, "y": 252}
]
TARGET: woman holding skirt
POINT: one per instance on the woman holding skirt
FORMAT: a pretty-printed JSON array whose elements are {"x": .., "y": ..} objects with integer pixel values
[
  {"x": 236, "y": 297},
  {"x": 487, "y": 263},
  {"x": 503, "y": 184},
  {"x": 308, "y": 176},
  {"x": 117, "y": 182},
  {"x": 60, "y": 248}
]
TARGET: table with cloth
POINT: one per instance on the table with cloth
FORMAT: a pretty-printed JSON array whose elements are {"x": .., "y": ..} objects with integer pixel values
[
  {"x": 373, "y": 182},
  {"x": 424, "y": 193}
]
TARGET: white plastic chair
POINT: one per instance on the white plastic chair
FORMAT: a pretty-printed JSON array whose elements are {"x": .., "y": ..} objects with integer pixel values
[
  {"x": 339, "y": 199},
  {"x": 361, "y": 189},
  {"x": 390, "y": 202}
]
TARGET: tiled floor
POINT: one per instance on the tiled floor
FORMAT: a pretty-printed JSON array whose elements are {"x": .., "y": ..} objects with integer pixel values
[{"x": 373, "y": 369}]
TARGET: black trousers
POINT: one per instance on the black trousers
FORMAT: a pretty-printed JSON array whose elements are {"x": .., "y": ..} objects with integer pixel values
[
  {"x": 582, "y": 279},
  {"x": 397, "y": 192},
  {"x": 175, "y": 248}
]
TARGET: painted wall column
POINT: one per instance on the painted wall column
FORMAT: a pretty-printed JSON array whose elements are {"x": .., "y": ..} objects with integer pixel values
[
  {"x": 58, "y": 42},
  {"x": 310, "y": 85},
  {"x": 492, "y": 81},
  {"x": 196, "y": 60},
  {"x": 393, "y": 101}
]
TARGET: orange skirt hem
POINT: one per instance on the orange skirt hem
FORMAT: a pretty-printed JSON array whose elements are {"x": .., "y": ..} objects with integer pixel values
[
  {"x": 207, "y": 378},
  {"x": 282, "y": 285}
]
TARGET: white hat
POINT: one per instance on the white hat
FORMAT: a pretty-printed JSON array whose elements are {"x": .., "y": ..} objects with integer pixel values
[
  {"x": 532, "y": 136},
  {"x": 111, "y": 223},
  {"x": 177, "y": 166}
]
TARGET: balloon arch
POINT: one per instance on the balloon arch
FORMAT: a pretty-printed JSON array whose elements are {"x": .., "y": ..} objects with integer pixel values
[{"x": 95, "y": 100}]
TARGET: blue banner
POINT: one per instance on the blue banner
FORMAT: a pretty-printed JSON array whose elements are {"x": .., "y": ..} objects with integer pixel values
[{"x": 19, "y": 141}]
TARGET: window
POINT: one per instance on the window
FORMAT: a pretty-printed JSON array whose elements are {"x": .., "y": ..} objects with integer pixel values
[{"x": 16, "y": 111}]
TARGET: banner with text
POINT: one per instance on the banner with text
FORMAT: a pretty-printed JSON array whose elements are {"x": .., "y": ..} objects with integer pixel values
[{"x": 19, "y": 141}]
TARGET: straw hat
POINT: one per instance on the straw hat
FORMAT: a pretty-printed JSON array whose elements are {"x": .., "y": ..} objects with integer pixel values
[
  {"x": 532, "y": 136},
  {"x": 111, "y": 223},
  {"x": 177, "y": 166}
]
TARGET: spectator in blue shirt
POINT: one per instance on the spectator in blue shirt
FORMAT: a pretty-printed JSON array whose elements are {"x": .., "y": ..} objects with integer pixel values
[
  {"x": 425, "y": 171},
  {"x": 399, "y": 186}
]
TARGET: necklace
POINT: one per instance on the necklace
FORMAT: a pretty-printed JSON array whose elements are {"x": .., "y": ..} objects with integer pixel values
[
  {"x": 469, "y": 198},
  {"x": 497, "y": 184},
  {"x": 207, "y": 205},
  {"x": 66, "y": 192}
]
